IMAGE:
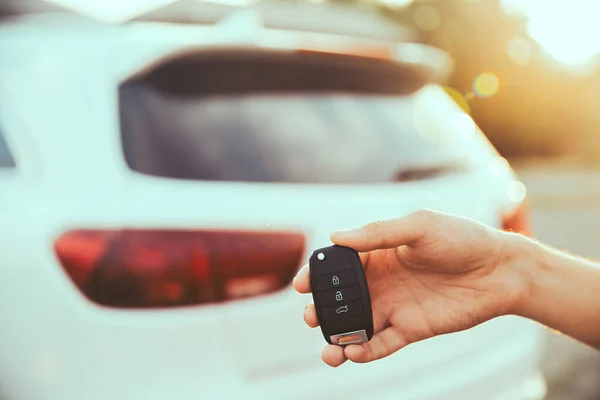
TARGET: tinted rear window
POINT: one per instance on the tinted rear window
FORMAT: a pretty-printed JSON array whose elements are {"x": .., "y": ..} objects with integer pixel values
[{"x": 299, "y": 136}]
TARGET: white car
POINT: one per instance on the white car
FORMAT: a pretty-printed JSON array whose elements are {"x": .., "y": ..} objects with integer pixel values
[{"x": 161, "y": 184}]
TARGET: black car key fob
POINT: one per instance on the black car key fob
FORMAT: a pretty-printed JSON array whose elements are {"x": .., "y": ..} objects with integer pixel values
[{"x": 341, "y": 295}]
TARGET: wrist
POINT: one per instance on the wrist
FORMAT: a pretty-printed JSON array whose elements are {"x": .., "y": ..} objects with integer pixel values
[{"x": 520, "y": 264}]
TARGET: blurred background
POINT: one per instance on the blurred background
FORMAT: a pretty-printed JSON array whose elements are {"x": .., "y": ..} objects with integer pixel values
[{"x": 527, "y": 73}]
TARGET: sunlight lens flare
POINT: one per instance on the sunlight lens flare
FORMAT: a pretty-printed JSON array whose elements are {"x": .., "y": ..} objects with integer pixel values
[
  {"x": 427, "y": 18},
  {"x": 567, "y": 30},
  {"x": 486, "y": 84},
  {"x": 520, "y": 51},
  {"x": 516, "y": 192}
]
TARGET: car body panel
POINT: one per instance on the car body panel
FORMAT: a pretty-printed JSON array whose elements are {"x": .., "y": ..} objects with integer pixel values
[{"x": 59, "y": 113}]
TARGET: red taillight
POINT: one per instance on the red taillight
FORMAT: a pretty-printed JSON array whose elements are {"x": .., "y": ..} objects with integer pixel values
[
  {"x": 518, "y": 220},
  {"x": 170, "y": 268}
]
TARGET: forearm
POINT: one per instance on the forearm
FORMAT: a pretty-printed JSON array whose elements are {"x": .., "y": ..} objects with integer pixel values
[{"x": 561, "y": 291}]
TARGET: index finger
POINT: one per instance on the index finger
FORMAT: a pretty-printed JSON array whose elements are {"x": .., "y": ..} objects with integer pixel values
[
  {"x": 302, "y": 280},
  {"x": 387, "y": 234}
]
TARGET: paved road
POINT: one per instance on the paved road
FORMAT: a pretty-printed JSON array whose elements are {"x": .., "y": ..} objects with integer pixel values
[{"x": 566, "y": 214}]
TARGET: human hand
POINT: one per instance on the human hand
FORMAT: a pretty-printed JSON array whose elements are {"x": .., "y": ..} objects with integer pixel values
[{"x": 429, "y": 274}]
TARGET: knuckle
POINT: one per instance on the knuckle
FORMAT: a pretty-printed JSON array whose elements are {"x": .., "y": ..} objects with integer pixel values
[
  {"x": 373, "y": 227},
  {"x": 369, "y": 353},
  {"x": 374, "y": 231},
  {"x": 381, "y": 350},
  {"x": 428, "y": 219},
  {"x": 424, "y": 214}
]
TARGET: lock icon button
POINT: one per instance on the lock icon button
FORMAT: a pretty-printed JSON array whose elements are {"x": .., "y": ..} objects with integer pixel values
[
  {"x": 334, "y": 281},
  {"x": 338, "y": 296}
]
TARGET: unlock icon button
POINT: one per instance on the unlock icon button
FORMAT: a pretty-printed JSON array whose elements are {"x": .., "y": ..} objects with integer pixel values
[{"x": 340, "y": 297}]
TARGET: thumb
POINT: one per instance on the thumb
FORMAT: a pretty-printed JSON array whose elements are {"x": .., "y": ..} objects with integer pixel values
[{"x": 404, "y": 231}]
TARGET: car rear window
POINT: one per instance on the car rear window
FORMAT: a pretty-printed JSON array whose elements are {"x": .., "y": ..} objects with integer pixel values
[{"x": 290, "y": 135}]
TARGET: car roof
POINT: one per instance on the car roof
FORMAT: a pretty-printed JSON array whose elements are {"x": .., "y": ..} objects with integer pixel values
[
  {"x": 353, "y": 20},
  {"x": 144, "y": 40},
  {"x": 334, "y": 18}
]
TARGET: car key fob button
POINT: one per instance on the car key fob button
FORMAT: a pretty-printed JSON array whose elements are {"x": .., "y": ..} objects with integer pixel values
[
  {"x": 335, "y": 280},
  {"x": 343, "y": 310},
  {"x": 339, "y": 296}
]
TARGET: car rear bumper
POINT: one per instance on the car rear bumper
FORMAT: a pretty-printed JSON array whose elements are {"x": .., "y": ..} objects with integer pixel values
[
  {"x": 503, "y": 366},
  {"x": 59, "y": 347},
  {"x": 506, "y": 370}
]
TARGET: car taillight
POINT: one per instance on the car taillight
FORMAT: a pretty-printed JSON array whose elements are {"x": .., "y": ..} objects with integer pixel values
[
  {"x": 169, "y": 268},
  {"x": 518, "y": 220}
]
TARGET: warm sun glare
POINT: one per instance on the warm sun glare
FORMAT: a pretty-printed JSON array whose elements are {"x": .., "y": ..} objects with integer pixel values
[{"x": 567, "y": 30}]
